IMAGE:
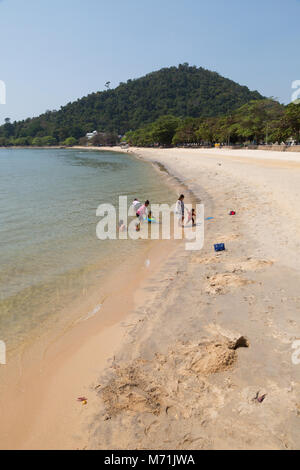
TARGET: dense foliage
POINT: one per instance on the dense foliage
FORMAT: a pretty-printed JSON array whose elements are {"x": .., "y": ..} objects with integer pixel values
[
  {"x": 181, "y": 91},
  {"x": 262, "y": 121}
]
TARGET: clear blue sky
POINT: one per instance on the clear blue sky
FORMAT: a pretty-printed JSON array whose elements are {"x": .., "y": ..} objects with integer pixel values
[{"x": 55, "y": 51}]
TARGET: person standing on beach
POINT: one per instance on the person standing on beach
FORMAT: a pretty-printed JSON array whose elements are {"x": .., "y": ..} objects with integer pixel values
[{"x": 179, "y": 209}]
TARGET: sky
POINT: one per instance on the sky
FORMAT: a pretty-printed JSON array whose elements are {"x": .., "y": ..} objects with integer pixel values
[{"x": 56, "y": 51}]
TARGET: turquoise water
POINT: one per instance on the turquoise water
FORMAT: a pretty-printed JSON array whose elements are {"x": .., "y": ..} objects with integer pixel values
[{"x": 49, "y": 252}]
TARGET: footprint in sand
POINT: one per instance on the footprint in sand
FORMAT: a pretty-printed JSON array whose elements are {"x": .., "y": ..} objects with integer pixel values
[
  {"x": 227, "y": 238},
  {"x": 208, "y": 259}
]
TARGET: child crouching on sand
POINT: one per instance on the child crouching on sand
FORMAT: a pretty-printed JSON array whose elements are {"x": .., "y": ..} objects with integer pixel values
[{"x": 192, "y": 216}]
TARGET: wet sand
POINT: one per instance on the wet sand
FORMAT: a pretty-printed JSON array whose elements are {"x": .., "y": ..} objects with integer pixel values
[
  {"x": 39, "y": 408},
  {"x": 42, "y": 380}
]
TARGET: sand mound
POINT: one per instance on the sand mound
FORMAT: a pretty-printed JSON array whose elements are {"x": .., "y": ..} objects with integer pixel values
[
  {"x": 162, "y": 384},
  {"x": 130, "y": 390},
  {"x": 251, "y": 264},
  {"x": 211, "y": 358},
  {"x": 221, "y": 283}
]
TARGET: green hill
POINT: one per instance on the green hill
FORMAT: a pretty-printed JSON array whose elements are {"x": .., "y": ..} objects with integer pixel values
[{"x": 181, "y": 91}]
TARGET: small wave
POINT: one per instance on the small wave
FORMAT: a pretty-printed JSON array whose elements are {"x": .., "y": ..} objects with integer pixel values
[{"x": 92, "y": 313}]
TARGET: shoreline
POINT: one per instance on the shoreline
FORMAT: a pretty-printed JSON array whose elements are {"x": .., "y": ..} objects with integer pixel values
[
  {"x": 52, "y": 371},
  {"x": 193, "y": 298},
  {"x": 51, "y": 379},
  {"x": 232, "y": 149}
]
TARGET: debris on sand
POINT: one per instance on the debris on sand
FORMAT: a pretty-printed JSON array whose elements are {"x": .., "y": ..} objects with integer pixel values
[
  {"x": 83, "y": 400},
  {"x": 260, "y": 398}
]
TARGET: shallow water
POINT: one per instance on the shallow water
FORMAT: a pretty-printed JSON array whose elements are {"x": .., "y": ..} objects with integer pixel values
[{"x": 49, "y": 252}]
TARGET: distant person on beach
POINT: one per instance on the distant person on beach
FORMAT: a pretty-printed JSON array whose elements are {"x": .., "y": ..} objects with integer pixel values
[
  {"x": 179, "y": 209},
  {"x": 142, "y": 212},
  {"x": 122, "y": 226}
]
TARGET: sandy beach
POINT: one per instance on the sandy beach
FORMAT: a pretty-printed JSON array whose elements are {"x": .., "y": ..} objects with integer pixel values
[
  {"x": 180, "y": 385},
  {"x": 198, "y": 354}
]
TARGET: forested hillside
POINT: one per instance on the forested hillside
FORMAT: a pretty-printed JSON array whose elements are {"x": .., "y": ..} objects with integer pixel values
[{"x": 181, "y": 91}]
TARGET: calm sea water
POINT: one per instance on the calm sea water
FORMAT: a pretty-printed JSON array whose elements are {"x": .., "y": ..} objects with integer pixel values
[{"x": 49, "y": 252}]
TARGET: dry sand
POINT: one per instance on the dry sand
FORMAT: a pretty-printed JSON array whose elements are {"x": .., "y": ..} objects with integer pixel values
[
  {"x": 179, "y": 383},
  {"x": 208, "y": 336}
]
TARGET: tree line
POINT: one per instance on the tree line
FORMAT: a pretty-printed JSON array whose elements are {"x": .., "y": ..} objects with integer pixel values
[{"x": 259, "y": 121}]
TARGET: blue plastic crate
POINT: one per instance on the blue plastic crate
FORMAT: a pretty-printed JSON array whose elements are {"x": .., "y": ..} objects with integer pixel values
[{"x": 220, "y": 247}]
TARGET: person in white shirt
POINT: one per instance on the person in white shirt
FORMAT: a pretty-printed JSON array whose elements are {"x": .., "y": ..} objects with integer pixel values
[
  {"x": 179, "y": 209},
  {"x": 136, "y": 205}
]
